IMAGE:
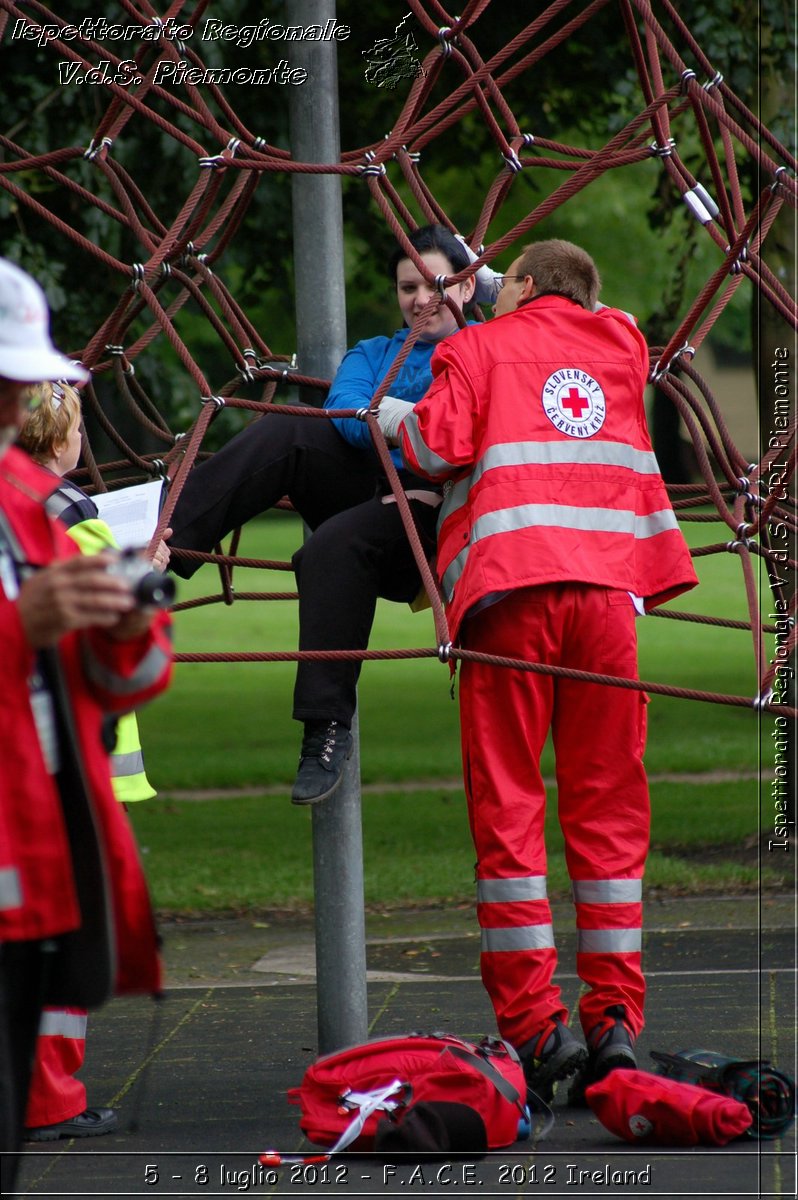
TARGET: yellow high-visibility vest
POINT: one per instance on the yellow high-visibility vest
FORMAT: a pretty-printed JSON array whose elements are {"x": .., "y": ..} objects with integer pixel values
[{"x": 129, "y": 779}]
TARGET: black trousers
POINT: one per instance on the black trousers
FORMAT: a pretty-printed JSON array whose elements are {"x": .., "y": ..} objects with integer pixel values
[
  {"x": 359, "y": 549},
  {"x": 304, "y": 458},
  {"x": 349, "y": 561},
  {"x": 23, "y": 975}
]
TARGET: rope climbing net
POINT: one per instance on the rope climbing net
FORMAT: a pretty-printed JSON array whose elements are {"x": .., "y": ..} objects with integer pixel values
[{"x": 181, "y": 262}]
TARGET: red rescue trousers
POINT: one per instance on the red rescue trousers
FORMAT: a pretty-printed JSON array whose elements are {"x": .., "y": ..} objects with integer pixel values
[
  {"x": 54, "y": 1094},
  {"x": 602, "y": 794}
]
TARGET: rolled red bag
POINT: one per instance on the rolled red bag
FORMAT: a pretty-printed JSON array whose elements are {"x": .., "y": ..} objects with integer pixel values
[{"x": 640, "y": 1107}]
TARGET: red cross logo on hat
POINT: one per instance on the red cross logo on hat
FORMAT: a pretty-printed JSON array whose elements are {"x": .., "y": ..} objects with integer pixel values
[
  {"x": 640, "y": 1125},
  {"x": 574, "y": 402}
]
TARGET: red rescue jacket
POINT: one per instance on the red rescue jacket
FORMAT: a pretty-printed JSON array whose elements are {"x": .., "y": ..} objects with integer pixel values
[
  {"x": 537, "y": 419},
  {"x": 42, "y": 874}
]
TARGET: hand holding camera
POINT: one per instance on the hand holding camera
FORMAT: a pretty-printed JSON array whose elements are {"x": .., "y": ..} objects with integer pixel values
[
  {"x": 116, "y": 591},
  {"x": 149, "y": 587}
]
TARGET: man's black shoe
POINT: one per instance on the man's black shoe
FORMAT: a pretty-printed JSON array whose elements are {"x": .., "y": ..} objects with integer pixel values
[
  {"x": 609, "y": 1046},
  {"x": 92, "y": 1122},
  {"x": 325, "y": 748},
  {"x": 554, "y": 1054}
]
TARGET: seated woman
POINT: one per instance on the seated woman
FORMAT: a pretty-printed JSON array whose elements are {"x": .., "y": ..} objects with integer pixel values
[
  {"x": 332, "y": 476},
  {"x": 363, "y": 553}
]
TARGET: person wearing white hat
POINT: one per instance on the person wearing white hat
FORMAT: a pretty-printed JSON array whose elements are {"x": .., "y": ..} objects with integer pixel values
[{"x": 73, "y": 645}]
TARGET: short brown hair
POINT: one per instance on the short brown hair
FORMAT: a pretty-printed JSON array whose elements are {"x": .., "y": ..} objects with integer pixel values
[
  {"x": 47, "y": 427},
  {"x": 560, "y": 266}
]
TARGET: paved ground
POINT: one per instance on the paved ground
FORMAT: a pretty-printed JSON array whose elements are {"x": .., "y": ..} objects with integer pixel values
[{"x": 200, "y": 1079}]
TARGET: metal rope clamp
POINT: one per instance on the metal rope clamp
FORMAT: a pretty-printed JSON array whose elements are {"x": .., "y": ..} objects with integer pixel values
[
  {"x": 372, "y": 168},
  {"x": 742, "y": 539},
  {"x": 93, "y": 150},
  {"x": 657, "y": 372},
  {"x": 701, "y": 204},
  {"x": 513, "y": 162},
  {"x": 445, "y": 651},
  {"x": 737, "y": 265},
  {"x": 744, "y": 489},
  {"x": 444, "y": 36},
  {"x": 776, "y": 184},
  {"x": 218, "y": 401}
]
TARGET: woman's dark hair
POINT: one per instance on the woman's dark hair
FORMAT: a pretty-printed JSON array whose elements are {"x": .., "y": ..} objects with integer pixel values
[{"x": 427, "y": 238}]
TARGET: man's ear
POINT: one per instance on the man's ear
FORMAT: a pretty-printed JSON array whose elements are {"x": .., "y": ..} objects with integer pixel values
[
  {"x": 528, "y": 289},
  {"x": 469, "y": 287}
]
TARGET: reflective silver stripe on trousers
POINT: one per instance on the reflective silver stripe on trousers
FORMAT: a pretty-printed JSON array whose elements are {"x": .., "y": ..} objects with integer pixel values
[
  {"x": 609, "y": 941},
  {"x": 548, "y": 454},
  {"x": 607, "y": 891},
  {"x": 498, "y": 891},
  {"x": 10, "y": 888},
  {"x": 429, "y": 462},
  {"x": 63, "y": 1024},
  {"x": 518, "y": 937},
  {"x": 127, "y": 764},
  {"x": 562, "y": 516},
  {"x": 146, "y": 673}
]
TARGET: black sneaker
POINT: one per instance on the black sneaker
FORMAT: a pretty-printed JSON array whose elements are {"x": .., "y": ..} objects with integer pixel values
[
  {"x": 609, "y": 1046},
  {"x": 92, "y": 1122},
  {"x": 325, "y": 748},
  {"x": 554, "y": 1054}
]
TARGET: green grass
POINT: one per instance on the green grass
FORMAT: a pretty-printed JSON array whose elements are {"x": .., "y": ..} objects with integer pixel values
[
  {"x": 254, "y": 853},
  {"x": 229, "y": 726},
  {"x": 240, "y": 714}
]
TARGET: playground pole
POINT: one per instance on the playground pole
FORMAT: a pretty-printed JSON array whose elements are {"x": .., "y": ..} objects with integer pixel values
[{"x": 342, "y": 1007}]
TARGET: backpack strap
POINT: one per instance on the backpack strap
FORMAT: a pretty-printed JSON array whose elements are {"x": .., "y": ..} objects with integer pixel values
[
  {"x": 486, "y": 1068},
  {"x": 505, "y": 1088}
]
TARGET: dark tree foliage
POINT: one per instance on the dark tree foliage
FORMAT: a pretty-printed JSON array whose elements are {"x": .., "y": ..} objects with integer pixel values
[{"x": 580, "y": 93}]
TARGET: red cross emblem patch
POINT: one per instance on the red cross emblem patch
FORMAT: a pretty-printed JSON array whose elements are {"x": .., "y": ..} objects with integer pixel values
[
  {"x": 574, "y": 402},
  {"x": 640, "y": 1125}
]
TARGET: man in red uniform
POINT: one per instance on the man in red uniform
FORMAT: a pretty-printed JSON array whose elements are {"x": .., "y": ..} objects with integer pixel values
[
  {"x": 555, "y": 528},
  {"x": 75, "y": 919}
]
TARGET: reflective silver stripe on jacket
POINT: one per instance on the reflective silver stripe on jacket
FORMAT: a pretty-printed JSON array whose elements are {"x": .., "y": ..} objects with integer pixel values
[
  {"x": 499, "y": 891},
  {"x": 147, "y": 672},
  {"x": 127, "y": 764},
  {"x": 65, "y": 496},
  {"x": 609, "y": 941},
  {"x": 518, "y": 937},
  {"x": 10, "y": 889},
  {"x": 429, "y": 462},
  {"x": 563, "y": 516},
  {"x": 63, "y": 1024},
  {"x": 548, "y": 454},
  {"x": 607, "y": 891}
]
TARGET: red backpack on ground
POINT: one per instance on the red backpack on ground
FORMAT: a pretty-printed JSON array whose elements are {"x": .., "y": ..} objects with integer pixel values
[{"x": 364, "y": 1084}]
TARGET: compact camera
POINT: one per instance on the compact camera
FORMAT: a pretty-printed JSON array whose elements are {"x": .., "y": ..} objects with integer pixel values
[{"x": 150, "y": 588}]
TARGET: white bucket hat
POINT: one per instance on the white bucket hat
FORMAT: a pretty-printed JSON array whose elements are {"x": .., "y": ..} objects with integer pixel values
[{"x": 26, "y": 353}]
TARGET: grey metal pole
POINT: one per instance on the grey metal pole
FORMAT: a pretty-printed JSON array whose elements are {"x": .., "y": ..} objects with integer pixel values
[{"x": 342, "y": 1004}]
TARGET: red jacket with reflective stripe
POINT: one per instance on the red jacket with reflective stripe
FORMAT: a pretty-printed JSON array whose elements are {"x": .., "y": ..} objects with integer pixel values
[
  {"x": 537, "y": 419},
  {"x": 37, "y": 882}
]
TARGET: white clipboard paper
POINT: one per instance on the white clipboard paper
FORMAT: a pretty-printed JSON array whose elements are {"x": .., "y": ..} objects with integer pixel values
[{"x": 132, "y": 512}]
